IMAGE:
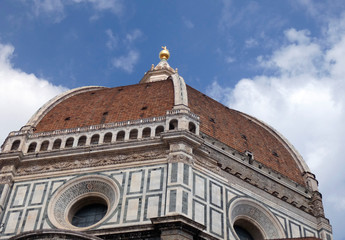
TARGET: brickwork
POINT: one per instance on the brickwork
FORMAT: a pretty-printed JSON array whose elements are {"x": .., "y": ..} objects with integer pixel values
[
  {"x": 242, "y": 134},
  {"x": 110, "y": 105},
  {"x": 154, "y": 99}
]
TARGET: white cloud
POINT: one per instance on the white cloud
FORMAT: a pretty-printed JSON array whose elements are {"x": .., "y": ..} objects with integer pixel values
[
  {"x": 52, "y": 8},
  {"x": 126, "y": 62},
  {"x": 55, "y": 9},
  {"x": 250, "y": 43},
  {"x": 188, "y": 23},
  {"x": 300, "y": 56},
  {"x": 115, "y": 6},
  {"x": 112, "y": 40},
  {"x": 230, "y": 59},
  {"x": 132, "y": 36},
  {"x": 21, "y": 94},
  {"x": 301, "y": 37},
  {"x": 304, "y": 99},
  {"x": 230, "y": 16}
]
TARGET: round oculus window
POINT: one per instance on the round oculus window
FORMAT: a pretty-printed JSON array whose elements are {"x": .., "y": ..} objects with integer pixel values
[
  {"x": 88, "y": 212},
  {"x": 83, "y": 203}
]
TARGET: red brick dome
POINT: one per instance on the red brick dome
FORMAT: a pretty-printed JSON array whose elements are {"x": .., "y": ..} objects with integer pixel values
[{"x": 237, "y": 130}]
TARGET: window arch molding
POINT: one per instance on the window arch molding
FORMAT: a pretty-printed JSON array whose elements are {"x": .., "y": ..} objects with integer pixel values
[
  {"x": 254, "y": 218},
  {"x": 76, "y": 194}
]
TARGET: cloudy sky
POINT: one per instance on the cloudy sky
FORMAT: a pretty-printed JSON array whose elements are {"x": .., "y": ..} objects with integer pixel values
[{"x": 280, "y": 61}]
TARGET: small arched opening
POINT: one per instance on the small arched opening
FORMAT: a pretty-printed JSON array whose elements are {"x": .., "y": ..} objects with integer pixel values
[
  {"x": 192, "y": 127},
  {"x": 15, "y": 145},
  {"x": 173, "y": 124},
  {"x": 147, "y": 132},
  {"x": 159, "y": 130},
  {"x": 32, "y": 147},
  {"x": 107, "y": 137},
  {"x": 44, "y": 146},
  {"x": 120, "y": 136},
  {"x": 95, "y": 139},
  {"x": 57, "y": 144},
  {"x": 82, "y": 141},
  {"x": 133, "y": 134},
  {"x": 69, "y": 142}
]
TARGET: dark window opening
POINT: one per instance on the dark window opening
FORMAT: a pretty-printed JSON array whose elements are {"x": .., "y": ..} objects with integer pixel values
[
  {"x": 57, "y": 144},
  {"x": 104, "y": 117},
  {"x": 144, "y": 108},
  {"x": 242, "y": 233},
  {"x": 133, "y": 134},
  {"x": 159, "y": 130},
  {"x": 82, "y": 141},
  {"x": 212, "y": 120},
  {"x": 89, "y": 215},
  {"x": 173, "y": 124},
  {"x": 147, "y": 132},
  {"x": 44, "y": 146},
  {"x": 95, "y": 139},
  {"x": 69, "y": 142},
  {"x": 15, "y": 145},
  {"x": 32, "y": 147},
  {"x": 107, "y": 137},
  {"x": 88, "y": 212},
  {"x": 246, "y": 230},
  {"x": 192, "y": 127},
  {"x": 120, "y": 136},
  {"x": 244, "y": 137},
  {"x": 250, "y": 158},
  {"x": 67, "y": 118},
  {"x": 275, "y": 154}
]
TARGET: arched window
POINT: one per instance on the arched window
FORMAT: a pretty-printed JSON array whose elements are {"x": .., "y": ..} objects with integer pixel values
[
  {"x": 147, "y": 132},
  {"x": 133, "y": 134},
  {"x": 95, "y": 139},
  {"x": 57, "y": 144},
  {"x": 82, "y": 141},
  {"x": 32, "y": 147},
  {"x": 15, "y": 145},
  {"x": 173, "y": 125},
  {"x": 191, "y": 127},
  {"x": 159, "y": 130},
  {"x": 120, "y": 136},
  {"x": 246, "y": 230},
  {"x": 107, "y": 137},
  {"x": 69, "y": 142},
  {"x": 243, "y": 234},
  {"x": 44, "y": 146}
]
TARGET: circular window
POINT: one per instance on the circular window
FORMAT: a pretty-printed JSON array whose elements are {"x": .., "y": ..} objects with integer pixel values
[
  {"x": 246, "y": 230},
  {"x": 83, "y": 203},
  {"x": 251, "y": 220},
  {"x": 242, "y": 233},
  {"x": 87, "y": 212}
]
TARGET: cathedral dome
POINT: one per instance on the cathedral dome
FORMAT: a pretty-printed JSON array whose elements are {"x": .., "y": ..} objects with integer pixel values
[
  {"x": 157, "y": 158},
  {"x": 235, "y": 129}
]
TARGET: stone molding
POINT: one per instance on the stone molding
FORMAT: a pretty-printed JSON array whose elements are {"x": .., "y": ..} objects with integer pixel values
[
  {"x": 119, "y": 158},
  {"x": 55, "y": 234},
  {"x": 73, "y": 191}
]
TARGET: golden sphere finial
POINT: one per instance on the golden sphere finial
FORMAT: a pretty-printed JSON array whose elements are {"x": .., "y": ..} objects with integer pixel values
[{"x": 164, "y": 54}]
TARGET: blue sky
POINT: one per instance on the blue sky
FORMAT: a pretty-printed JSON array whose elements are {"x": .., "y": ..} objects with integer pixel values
[{"x": 280, "y": 61}]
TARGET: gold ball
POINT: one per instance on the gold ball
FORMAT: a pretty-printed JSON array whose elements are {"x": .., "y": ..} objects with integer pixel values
[{"x": 164, "y": 54}]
